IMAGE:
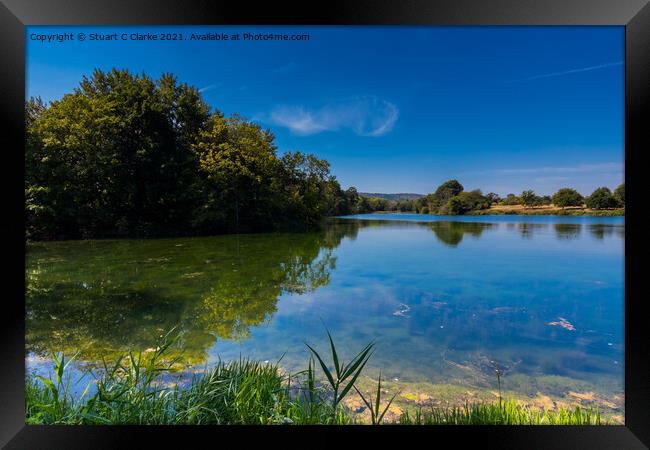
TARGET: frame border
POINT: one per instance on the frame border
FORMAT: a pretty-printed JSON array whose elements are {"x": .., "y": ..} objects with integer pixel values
[{"x": 633, "y": 14}]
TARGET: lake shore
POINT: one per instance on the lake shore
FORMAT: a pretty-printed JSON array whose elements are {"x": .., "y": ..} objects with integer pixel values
[
  {"x": 548, "y": 210},
  {"x": 192, "y": 398},
  {"x": 545, "y": 210}
]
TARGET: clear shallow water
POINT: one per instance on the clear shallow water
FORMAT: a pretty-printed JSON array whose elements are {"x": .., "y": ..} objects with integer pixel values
[{"x": 445, "y": 298}]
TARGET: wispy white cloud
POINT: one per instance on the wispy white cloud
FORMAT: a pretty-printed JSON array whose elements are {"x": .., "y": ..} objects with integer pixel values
[
  {"x": 209, "y": 87},
  {"x": 570, "y": 71},
  {"x": 365, "y": 116}
]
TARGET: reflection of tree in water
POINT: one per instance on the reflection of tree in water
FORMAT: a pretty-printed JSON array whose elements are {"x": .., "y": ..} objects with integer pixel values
[
  {"x": 601, "y": 230},
  {"x": 567, "y": 230},
  {"x": 447, "y": 232},
  {"x": 527, "y": 229},
  {"x": 452, "y": 233},
  {"x": 106, "y": 297}
]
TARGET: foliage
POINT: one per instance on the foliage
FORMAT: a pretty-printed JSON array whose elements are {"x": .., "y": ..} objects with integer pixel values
[
  {"x": 511, "y": 199},
  {"x": 435, "y": 201},
  {"x": 601, "y": 198},
  {"x": 528, "y": 198},
  {"x": 567, "y": 197},
  {"x": 132, "y": 391},
  {"x": 492, "y": 197},
  {"x": 376, "y": 414},
  {"x": 127, "y": 155},
  {"x": 619, "y": 194},
  {"x": 124, "y": 154},
  {"x": 465, "y": 202},
  {"x": 502, "y": 413},
  {"x": 342, "y": 372},
  {"x": 450, "y": 198}
]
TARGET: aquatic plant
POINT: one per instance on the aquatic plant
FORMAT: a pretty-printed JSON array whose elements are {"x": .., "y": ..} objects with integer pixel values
[
  {"x": 132, "y": 390},
  {"x": 375, "y": 415},
  {"x": 342, "y": 371},
  {"x": 505, "y": 413}
]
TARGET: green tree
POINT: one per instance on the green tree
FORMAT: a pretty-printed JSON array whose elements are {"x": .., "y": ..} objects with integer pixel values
[
  {"x": 619, "y": 194},
  {"x": 442, "y": 195},
  {"x": 493, "y": 198},
  {"x": 312, "y": 191},
  {"x": 465, "y": 202},
  {"x": 125, "y": 154},
  {"x": 528, "y": 198},
  {"x": 239, "y": 171},
  {"x": 112, "y": 155},
  {"x": 601, "y": 198},
  {"x": 511, "y": 199},
  {"x": 378, "y": 204},
  {"x": 567, "y": 197}
]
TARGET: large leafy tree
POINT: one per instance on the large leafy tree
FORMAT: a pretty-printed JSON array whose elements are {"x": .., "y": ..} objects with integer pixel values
[
  {"x": 567, "y": 197},
  {"x": 528, "y": 198},
  {"x": 112, "y": 155},
  {"x": 436, "y": 201},
  {"x": 601, "y": 198},
  {"x": 125, "y": 154},
  {"x": 238, "y": 170}
]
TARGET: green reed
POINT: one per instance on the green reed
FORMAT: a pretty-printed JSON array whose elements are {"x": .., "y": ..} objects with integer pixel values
[
  {"x": 506, "y": 413},
  {"x": 131, "y": 390}
]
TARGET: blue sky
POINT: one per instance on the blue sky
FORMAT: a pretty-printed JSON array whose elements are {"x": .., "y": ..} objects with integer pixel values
[{"x": 397, "y": 109}]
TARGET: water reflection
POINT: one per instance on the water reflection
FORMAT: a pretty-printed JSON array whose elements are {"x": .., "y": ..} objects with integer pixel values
[
  {"x": 452, "y": 233},
  {"x": 567, "y": 230},
  {"x": 106, "y": 297},
  {"x": 527, "y": 230},
  {"x": 600, "y": 230}
]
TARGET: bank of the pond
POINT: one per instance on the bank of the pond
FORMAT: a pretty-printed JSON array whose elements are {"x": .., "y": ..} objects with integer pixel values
[
  {"x": 131, "y": 391},
  {"x": 548, "y": 210},
  {"x": 519, "y": 210}
]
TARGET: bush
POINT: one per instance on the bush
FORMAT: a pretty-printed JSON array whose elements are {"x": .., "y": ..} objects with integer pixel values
[
  {"x": 528, "y": 198},
  {"x": 619, "y": 194},
  {"x": 601, "y": 198},
  {"x": 466, "y": 202},
  {"x": 567, "y": 197},
  {"x": 511, "y": 199}
]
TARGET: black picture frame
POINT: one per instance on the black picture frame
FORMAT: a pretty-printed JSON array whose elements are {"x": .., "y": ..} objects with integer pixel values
[{"x": 634, "y": 15}]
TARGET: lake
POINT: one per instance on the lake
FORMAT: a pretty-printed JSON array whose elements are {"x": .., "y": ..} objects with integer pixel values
[{"x": 447, "y": 300}]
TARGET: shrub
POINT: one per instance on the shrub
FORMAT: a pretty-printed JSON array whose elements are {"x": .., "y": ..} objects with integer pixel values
[
  {"x": 619, "y": 194},
  {"x": 601, "y": 198},
  {"x": 528, "y": 198},
  {"x": 511, "y": 199},
  {"x": 567, "y": 197}
]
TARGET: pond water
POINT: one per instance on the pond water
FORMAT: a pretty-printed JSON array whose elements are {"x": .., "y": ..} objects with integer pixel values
[{"x": 446, "y": 299}]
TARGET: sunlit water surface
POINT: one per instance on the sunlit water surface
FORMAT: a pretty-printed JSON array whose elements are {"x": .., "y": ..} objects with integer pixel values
[{"x": 447, "y": 299}]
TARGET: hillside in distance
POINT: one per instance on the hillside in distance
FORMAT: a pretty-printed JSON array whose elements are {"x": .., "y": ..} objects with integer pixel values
[{"x": 395, "y": 197}]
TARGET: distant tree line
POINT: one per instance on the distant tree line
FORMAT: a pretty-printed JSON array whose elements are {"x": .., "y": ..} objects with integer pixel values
[
  {"x": 601, "y": 198},
  {"x": 451, "y": 199},
  {"x": 127, "y": 155}
]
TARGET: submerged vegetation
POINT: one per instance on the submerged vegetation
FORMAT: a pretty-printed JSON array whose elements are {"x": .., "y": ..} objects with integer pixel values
[{"x": 132, "y": 391}]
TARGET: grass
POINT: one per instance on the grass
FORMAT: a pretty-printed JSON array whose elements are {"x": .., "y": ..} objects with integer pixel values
[
  {"x": 131, "y": 391},
  {"x": 546, "y": 210},
  {"x": 502, "y": 413}
]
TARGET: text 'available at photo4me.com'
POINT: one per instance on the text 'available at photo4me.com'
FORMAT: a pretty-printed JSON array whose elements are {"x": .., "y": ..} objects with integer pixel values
[{"x": 166, "y": 36}]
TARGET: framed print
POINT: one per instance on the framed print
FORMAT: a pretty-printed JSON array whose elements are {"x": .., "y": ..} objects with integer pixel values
[{"x": 388, "y": 219}]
